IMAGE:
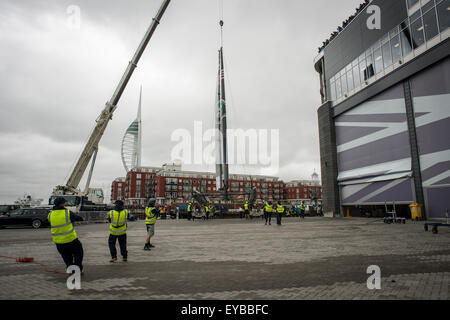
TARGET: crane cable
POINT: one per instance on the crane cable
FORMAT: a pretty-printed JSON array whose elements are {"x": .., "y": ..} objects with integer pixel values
[{"x": 220, "y": 3}]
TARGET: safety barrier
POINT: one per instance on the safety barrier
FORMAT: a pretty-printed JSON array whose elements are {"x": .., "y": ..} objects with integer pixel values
[{"x": 94, "y": 216}]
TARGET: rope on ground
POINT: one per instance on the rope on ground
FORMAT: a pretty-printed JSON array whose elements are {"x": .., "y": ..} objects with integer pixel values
[{"x": 31, "y": 260}]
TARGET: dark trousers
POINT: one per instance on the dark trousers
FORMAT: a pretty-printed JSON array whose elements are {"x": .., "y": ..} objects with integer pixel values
[
  {"x": 279, "y": 218},
  {"x": 72, "y": 253},
  {"x": 122, "y": 243},
  {"x": 268, "y": 216}
]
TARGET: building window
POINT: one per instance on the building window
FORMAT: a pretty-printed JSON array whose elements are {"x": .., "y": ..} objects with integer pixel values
[
  {"x": 387, "y": 57},
  {"x": 430, "y": 24},
  {"x": 333, "y": 91},
  {"x": 396, "y": 48},
  {"x": 370, "y": 70},
  {"x": 350, "y": 82},
  {"x": 138, "y": 176},
  {"x": 356, "y": 77},
  {"x": 411, "y": 3},
  {"x": 344, "y": 82},
  {"x": 378, "y": 60},
  {"x": 418, "y": 38},
  {"x": 338, "y": 88},
  {"x": 443, "y": 10},
  {"x": 362, "y": 67},
  {"x": 405, "y": 37}
]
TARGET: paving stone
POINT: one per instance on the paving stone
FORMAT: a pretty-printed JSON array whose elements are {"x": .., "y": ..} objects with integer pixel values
[{"x": 235, "y": 259}]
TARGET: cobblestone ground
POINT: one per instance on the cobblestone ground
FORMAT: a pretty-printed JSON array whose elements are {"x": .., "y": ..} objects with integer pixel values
[{"x": 316, "y": 258}]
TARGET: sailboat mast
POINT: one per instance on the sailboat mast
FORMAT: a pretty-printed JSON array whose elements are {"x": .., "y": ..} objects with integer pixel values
[
  {"x": 223, "y": 122},
  {"x": 219, "y": 160},
  {"x": 222, "y": 110}
]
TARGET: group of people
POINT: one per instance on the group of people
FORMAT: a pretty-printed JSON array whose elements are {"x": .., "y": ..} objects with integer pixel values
[
  {"x": 344, "y": 25},
  {"x": 69, "y": 246},
  {"x": 71, "y": 250},
  {"x": 269, "y": 209},
  {"x": 209, "y": 211}
]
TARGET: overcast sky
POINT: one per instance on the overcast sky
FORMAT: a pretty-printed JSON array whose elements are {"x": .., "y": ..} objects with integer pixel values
[{"x": 55, "y": 81}]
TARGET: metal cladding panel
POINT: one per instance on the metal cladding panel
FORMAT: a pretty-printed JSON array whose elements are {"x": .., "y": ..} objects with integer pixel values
[
  {"x": 357, "y": 38},
  {"x": 373, "y": 145},
  {"x": 398, "y": 190},
  {"x": 373, "y": 137},
  {"x": 431, "y": 96},
  {"x": 438, "y": 201}
]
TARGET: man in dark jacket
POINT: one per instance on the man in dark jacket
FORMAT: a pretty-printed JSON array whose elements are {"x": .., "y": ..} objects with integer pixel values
[{"x": 64, "y": 235}]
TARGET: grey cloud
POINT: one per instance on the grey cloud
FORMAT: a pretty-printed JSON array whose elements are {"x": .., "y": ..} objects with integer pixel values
[{"x": 55, "y": 82}]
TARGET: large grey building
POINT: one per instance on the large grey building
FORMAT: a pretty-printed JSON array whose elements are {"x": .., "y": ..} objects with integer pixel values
[{"x": 384, "y": 122}]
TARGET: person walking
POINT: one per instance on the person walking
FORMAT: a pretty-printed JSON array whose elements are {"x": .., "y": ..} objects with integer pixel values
[
  {"x": 64, "y": 235},
  {"x": 280, "y": 211},
  {"x": 268, "y": 209},
  {"x": 150, "y": 220},
  {"x": 118, "y": 231}
]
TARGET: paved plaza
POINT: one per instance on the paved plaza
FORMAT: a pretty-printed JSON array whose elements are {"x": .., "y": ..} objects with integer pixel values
[{"x": 315, "y": 258}]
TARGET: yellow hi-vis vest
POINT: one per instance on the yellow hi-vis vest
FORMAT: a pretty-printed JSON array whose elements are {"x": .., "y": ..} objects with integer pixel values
[
  {"x": 150, "y": 218},
  {"x": 268, "y": 208},
  {"x": 280, "y": 209},
  {"x": 62, "y": 228},
  {"x": 118, "y": 225},
  {"x": 189, "y": 209},
  {"x": 206, "y": 209},
  {"x": 302, "y": 207},
  {"x": 246, "y": 206}
]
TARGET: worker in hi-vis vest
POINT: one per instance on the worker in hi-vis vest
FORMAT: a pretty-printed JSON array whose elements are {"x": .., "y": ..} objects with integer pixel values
[
  {"x": 118, "y": 231},
  {"x": 64, "y": 235},
  {"x": 302, "y": 209},
  {"x": 268, "y": 209},
  {"x": 189, "y": 211},
  {"x": 150, "y": 219},
  {"x": 207, "y": 212},
  {"x": 247, "y": 211},
  {"x": 280, "y": 211}
]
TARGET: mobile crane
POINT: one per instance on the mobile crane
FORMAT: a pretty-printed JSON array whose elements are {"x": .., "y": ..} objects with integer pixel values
[{"x": 74, "y": 197}]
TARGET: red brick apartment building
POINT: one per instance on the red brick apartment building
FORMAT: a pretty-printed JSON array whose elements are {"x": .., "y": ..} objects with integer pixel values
[{"x": 170, "y": 184}]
